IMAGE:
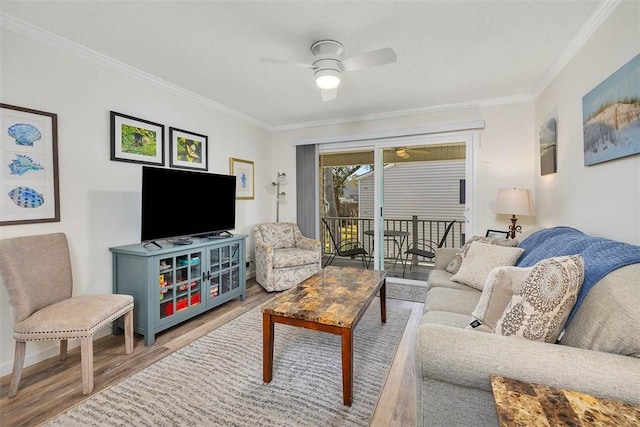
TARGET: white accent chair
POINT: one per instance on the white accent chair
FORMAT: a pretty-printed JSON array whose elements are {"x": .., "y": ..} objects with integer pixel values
[
  {"x": 36, "y": 271},
  {"x": 284, "y": 257}
]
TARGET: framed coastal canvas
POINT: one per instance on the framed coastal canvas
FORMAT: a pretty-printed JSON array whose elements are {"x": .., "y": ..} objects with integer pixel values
[
  {"x": 29, "y": 158},
  {"x": 611, "y": 116}
]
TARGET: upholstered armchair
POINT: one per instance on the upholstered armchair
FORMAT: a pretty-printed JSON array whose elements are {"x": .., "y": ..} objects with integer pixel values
[
  {"x": 36, "y": 271},
  {"x": 284, "y": 257}
]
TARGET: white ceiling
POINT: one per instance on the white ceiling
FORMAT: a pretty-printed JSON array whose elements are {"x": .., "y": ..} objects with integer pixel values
[{"x": 449, "y": 52}]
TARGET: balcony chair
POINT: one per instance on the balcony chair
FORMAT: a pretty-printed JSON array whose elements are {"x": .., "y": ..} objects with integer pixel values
[
  {"x": 284, "y": 257},
  {"x": 425, "y": 248},
  {"x": 36, "y": 271},
  {"x": 350, "y": 247}
]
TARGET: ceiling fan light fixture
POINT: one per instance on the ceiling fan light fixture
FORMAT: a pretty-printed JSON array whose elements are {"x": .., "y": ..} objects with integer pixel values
[{"x": 327, "y": 79}]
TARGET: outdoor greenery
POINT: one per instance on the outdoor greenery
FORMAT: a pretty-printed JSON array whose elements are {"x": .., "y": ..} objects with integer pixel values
[{"x": 335, "y": 180}]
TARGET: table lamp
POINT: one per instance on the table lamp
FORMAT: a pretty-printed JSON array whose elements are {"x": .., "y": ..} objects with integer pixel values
[{"x": 514, "y": 201}]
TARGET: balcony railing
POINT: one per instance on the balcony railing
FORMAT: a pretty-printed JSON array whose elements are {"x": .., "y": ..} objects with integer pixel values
[{"x": 354, "y": 228}]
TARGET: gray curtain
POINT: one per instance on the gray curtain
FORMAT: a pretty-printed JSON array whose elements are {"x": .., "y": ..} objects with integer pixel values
[{"x": 306, "y": 189}]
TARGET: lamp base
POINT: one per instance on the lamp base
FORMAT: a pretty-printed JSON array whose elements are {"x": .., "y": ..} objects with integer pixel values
[{"x": 513, "y": 228}]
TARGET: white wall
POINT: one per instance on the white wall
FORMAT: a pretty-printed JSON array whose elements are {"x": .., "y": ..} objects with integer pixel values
[
  {"x": 503, "y": 157},
  {"x": 99, "y": 198},
  {"x": 602, "y": 199}
]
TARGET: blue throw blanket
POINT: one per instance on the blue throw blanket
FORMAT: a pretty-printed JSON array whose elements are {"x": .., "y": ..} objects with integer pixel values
[{"x": 601, "y": 256}]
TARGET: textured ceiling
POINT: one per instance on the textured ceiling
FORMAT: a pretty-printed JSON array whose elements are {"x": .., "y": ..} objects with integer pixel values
[{"x": 449, "y": 52}]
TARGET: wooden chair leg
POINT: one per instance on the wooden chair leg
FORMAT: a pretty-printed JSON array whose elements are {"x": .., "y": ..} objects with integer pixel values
[
  {"x": 63, "y": 349},
  {"x": 18, "y": 363},
  {"x": 86, "y": 359},
  {"x": 128, "y": 332}
]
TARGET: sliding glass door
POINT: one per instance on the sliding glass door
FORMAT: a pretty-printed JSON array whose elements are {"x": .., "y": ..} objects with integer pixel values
[{"x": 388, "y": 198}]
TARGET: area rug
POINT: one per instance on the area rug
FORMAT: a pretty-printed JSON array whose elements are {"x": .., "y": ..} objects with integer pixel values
[
  {"x": 217, "y": 379},
  {"x": 407, "y": 290}
]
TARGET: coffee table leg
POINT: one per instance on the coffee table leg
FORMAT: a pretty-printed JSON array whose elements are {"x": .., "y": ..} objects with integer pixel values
[
  {"x": 347, "y": 366},
  {"x": 267, "y": 347},
  {"x": 383, "y": 302}
]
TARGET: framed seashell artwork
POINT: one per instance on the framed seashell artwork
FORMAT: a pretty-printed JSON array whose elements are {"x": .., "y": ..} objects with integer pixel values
[
  {"x": 29, "y": 190},
  {"x": 136, "y": 140},
  {"x": 188, "y": 150}
]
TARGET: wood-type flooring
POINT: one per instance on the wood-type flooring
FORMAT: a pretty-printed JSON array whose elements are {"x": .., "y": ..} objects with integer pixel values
[{"x": 53, "y": 386}]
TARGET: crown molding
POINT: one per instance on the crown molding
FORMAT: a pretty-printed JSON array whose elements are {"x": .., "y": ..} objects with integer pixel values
[
  {"x": 468, "y": 105},
  {"x": 39, "y": 34},
  {"x": 599, "y": 15}
]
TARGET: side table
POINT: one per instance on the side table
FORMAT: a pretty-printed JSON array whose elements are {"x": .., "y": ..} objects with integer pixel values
[{"x": 520, "y": 403}]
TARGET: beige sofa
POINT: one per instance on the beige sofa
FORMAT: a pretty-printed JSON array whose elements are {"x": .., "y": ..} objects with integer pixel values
[{"x": 453, "y": 363}]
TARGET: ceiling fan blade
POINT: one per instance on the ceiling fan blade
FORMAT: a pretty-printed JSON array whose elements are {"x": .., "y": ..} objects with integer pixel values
[
  {"x": 283, "y": 62},
  {"x": 370, "y": 59},
  {"x": 328, "y": 94}
]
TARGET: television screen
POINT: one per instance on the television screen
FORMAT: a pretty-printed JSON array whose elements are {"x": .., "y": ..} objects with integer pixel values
[{"x": 179, "y": 203}]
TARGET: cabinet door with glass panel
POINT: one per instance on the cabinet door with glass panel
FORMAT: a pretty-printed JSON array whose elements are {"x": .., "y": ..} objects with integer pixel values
[
  {"x": 224, "y": 271},
  {"x": 180, "y": 283}
]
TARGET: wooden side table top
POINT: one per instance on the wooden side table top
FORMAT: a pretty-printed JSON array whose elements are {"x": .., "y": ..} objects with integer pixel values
[
  {"x": 521, "y": 403},
  {"x": 334, "y": 296}
]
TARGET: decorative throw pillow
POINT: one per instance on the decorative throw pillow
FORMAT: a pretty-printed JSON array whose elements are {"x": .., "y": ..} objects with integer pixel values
[
  {"x": 480, "y": 259},
  {"x": 454, "y": 264},
  {"x": 496, "y": 294},
  {"x": 539, "y": 309}
]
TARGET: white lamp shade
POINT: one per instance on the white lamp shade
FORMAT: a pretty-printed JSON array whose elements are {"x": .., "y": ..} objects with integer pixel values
[{"x": 514, "y": 201}]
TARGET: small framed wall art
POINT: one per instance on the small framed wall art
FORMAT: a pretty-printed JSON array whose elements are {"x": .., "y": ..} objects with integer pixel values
[
  {"x": 497, "y": 233},
  {"x": 243, "y": 170},
  {"x": 29, "y": 177},
  {"x": 188, "y": 150},
  {"x": 136, "y": 140}
]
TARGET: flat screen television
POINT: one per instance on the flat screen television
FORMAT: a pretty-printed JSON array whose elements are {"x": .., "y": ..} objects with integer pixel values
[{"x": 182, "y": 204}]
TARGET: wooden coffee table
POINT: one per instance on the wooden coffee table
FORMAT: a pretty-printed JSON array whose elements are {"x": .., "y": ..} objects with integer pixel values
[{"x": 333, "y": 301}]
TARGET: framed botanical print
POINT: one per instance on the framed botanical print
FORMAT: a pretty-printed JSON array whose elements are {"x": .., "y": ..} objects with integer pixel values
[
  {"x": 136, "y": 140},
  {"x": 243, "y": 170},
  {"x": 29, "y": 155},
  {"x": 188, "y": 150}
]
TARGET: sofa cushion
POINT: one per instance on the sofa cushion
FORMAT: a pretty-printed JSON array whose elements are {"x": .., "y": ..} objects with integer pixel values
[
  {"x": 480, "y": 259},
  {"x": 442, "y": 278},
  {"x": 293, "y": 257},
  {"x": 445, "y": 318},
  {"x": 454, "y": 265},
  {"x": 539, "y": 309},
  {"x": 453, "y": 300},
  {"x": 496, "y": 294},
  {"x": 608, "y": 317}
]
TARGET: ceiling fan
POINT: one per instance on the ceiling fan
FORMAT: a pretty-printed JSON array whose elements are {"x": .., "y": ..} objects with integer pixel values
[
  {"x": 405, "y": 152},
  {"x": 329, "y": 65}
]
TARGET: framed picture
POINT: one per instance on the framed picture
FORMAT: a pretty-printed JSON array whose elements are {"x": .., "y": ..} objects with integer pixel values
[
  {"x": 497, "y": 233},
  {"x": 188, "y": 150},
  {"x": 548, "y": 147},
  {"x": 611, "y": 116},
  {"x": 29, "y": 158},
  {"x": 243, "y": 170},
  {"x": 136, "y": 140}
]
